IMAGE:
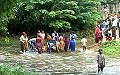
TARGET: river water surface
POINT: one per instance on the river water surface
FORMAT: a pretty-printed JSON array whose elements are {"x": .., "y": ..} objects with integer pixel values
[{"x": 61, "y": 63}]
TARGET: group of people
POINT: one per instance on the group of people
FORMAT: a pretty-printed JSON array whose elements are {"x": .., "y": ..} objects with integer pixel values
[
  {"x": 108, "y": 28},
  {"x": 60, "y": 42},
  {"x": 48, "y": 43},
  {"x": 63, "y": 42}
]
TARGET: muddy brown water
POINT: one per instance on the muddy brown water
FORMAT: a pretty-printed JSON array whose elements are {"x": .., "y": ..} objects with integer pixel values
[{"x": 61, "y": 63}]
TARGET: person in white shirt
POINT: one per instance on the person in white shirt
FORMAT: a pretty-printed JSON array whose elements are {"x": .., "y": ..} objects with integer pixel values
[
  {"x": 39, "y": 33},
  {"x": 24, "y": 42},
  {"x": 53, "y": 35},
  {"x": 116, "y": 23},
  {"x": 84, "y": 41}
]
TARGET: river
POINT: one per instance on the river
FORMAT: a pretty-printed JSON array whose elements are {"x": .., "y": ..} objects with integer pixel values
[{"x": 61, "y": 63}]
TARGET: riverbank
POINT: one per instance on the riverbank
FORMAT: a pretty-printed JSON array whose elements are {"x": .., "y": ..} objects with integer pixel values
[{"x": 6, "y": 69}]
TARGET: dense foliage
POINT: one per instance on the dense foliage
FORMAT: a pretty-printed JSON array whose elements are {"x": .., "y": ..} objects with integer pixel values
[
  {"x": 6, "y": 13},
  {"x": 62, "y": 15},
  {"x": 55, "y": 14}
]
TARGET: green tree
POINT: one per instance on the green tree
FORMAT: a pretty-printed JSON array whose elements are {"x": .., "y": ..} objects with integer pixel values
[
  {"x": 55, "y": 14},
  {"x": 6, "y": 13},
  {"x": 6, "y": 7},
  {"x": 62, "y": 15}
]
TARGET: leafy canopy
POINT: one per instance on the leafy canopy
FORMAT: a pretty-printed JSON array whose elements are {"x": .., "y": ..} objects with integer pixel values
[{"x": 31, "y": 15}]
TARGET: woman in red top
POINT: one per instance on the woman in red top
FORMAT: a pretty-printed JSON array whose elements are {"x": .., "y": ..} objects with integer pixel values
[
  {"x": 97, "y": 31},
  {"x": 39, "y": 44}
]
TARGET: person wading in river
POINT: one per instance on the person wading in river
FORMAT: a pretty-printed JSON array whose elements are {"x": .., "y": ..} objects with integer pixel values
[
  {"x": 24, "y": 42},
  {"x": 73, "y": 37},
  {"x": 66, "y": 43},
  {"x": 84, "y": 41},
  {"x": 39, "y": 44},
  {"x": 100, "y": 61}
]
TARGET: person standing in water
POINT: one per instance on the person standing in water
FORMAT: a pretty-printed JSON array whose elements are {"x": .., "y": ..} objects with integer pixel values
[
  {"x": 83, "y": 41},
  {"x": 100, "y": 61},
  {"x": 39, "y": 44},
  {"x": 66, "y": 43},
  {"x": 24, "y": 42},
  {"x": 73, "y": 37}
]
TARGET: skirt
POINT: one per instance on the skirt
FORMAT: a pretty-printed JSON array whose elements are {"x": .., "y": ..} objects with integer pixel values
[
  {"x": 72, "y": 45},
  {"x": 39, "y": 47},
  {"x": 113, "y": 31}
]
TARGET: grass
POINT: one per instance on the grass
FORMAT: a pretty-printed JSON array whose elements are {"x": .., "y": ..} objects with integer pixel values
[
  {"x": 10, "y": 70},
  {"x": 111, "y": 48},
  {"x": 11, "y": 44},
  {"x": 11, "y": 41}
]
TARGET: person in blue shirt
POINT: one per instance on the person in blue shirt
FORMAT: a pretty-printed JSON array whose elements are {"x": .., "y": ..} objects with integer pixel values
[
  {"x": 73, "y": 37},
  {"x": 105, "y": 24}
]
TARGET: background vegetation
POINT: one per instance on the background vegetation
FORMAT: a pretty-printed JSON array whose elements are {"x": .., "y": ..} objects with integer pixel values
[
  {"x": 111, "y": 48},
  {"x": 61, "y": 15}
]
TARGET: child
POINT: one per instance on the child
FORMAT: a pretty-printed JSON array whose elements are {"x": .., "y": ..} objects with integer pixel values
[
  {"x": 83, "y": 41},
  {"x": 100, "y": 61},
  {"x": 39, "y": 44},
  {"x": 109, "y": 37}
]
